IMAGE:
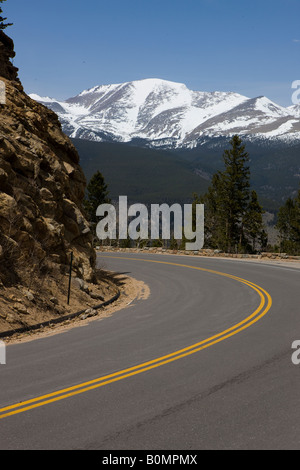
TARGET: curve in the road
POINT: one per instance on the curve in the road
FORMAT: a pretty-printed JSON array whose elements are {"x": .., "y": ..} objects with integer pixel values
[{"x": 261, "y": 310}]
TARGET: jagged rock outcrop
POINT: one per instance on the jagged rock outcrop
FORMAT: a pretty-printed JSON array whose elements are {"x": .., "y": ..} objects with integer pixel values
[
  {"x": 41, "y": 188},
  {"x": 7, "y": 69}
]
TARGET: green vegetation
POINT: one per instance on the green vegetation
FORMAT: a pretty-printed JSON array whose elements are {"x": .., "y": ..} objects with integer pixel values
[
  {"x": 288, "y": 224},
  {"x": 144, "y": 175},
  {"x": 155, "y": 175},
  {"x": 2, "y": 19},
  {"x": 233, "y": 215},
  {"x": 97, "y": 193},
  {"x": 253, "y": 224}
]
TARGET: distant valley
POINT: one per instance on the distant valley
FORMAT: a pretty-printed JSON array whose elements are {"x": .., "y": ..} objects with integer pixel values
[{"x": 157, "y": 175}]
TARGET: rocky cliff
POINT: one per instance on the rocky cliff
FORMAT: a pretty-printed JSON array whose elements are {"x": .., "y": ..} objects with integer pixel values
[
  {"x": 41, "y": 192},
  {"x": 7, "y": 69}
]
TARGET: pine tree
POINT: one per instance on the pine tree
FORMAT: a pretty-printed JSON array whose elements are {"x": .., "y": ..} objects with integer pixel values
[
  {"x": 288, "y": 224},
  {"x": 173, "y": 243},
  {"x": 2, "y": 19},
  {"x": 234, "y": 192},
  {"x": 233, "y": 216},
  {"x": 214, "y": 226},
  {"x": 253, "y": 223},
  {"x": 97, "y": 194}
]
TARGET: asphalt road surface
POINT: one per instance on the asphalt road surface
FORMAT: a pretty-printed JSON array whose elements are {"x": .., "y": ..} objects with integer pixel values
[{"x": 204, "y": 363}]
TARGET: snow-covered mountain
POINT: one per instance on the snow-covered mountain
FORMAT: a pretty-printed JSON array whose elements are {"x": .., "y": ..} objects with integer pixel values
[{"x": 165, "y": 113}]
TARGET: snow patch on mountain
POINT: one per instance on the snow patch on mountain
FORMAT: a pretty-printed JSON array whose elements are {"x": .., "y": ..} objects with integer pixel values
[{"x": 165, "y": 113}]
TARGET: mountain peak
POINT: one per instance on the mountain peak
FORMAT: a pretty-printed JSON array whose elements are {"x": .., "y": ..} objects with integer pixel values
[
  {"x": 167, "y": 113},
  {"x": 294, "y": 110}
]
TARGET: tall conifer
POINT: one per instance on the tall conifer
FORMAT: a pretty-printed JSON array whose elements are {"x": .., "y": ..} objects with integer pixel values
[
  {"x": 288, "y": 224},
  {"x": 97, "y": 194},
  {"x": 233, "y": 215}
]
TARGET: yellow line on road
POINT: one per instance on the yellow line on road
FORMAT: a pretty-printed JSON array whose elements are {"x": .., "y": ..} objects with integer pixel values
[{"x": 262, "y": 309}]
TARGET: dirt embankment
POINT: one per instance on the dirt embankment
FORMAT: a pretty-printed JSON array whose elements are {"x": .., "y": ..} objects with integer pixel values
[{"x": 88, "y": 302}]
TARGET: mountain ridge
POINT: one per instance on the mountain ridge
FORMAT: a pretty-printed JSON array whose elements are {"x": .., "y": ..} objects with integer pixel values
[{"x": 165, "y": 113}]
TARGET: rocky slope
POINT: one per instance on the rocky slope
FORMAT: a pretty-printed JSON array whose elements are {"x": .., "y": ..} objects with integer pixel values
[{"x": 41, "y": 218}]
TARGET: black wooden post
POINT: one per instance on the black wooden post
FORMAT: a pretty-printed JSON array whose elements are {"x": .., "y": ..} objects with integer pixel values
[{"x": 70, "y": 277}]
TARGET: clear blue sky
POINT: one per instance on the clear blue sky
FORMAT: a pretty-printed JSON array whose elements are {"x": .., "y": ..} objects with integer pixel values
[{"x": 66, "y": 46}]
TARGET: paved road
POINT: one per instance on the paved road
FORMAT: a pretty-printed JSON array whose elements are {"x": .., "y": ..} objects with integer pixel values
[{"x": 204, "y": 363}]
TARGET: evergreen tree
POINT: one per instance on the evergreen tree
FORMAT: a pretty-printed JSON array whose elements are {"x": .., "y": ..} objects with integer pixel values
[
  {"x": 253, "y": 223},
  {"x": 234, "y": 192},
  {"x": 2, "y": 24},
  {"x": 263, "y": 240},
  {"x": 173, "y": 243},
  {"x": 288, "y": 224},
  {"x": 233, "y": 216},
  {"x": 214, "y": 227},
  {"x": 97, "y": 194}
]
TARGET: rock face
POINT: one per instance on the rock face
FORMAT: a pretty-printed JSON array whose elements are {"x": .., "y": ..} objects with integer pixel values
[
  {"x": 41, "y": 188},
  {"x": 7, "y": 70}
]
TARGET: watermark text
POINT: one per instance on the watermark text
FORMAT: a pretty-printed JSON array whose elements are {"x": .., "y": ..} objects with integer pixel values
[
  {"x": 2, "y": 92},
  {"x": 185, "y": 222},
  {"x": 296, "y": 94},
  {"x": 2, "y": 353}
]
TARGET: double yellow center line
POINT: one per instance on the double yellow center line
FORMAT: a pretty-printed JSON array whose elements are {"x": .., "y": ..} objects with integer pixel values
[{"x": 262, "y": 309}]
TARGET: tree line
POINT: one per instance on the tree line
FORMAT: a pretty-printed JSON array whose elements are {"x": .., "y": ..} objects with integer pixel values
[{"x": 233, "y": 214}]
